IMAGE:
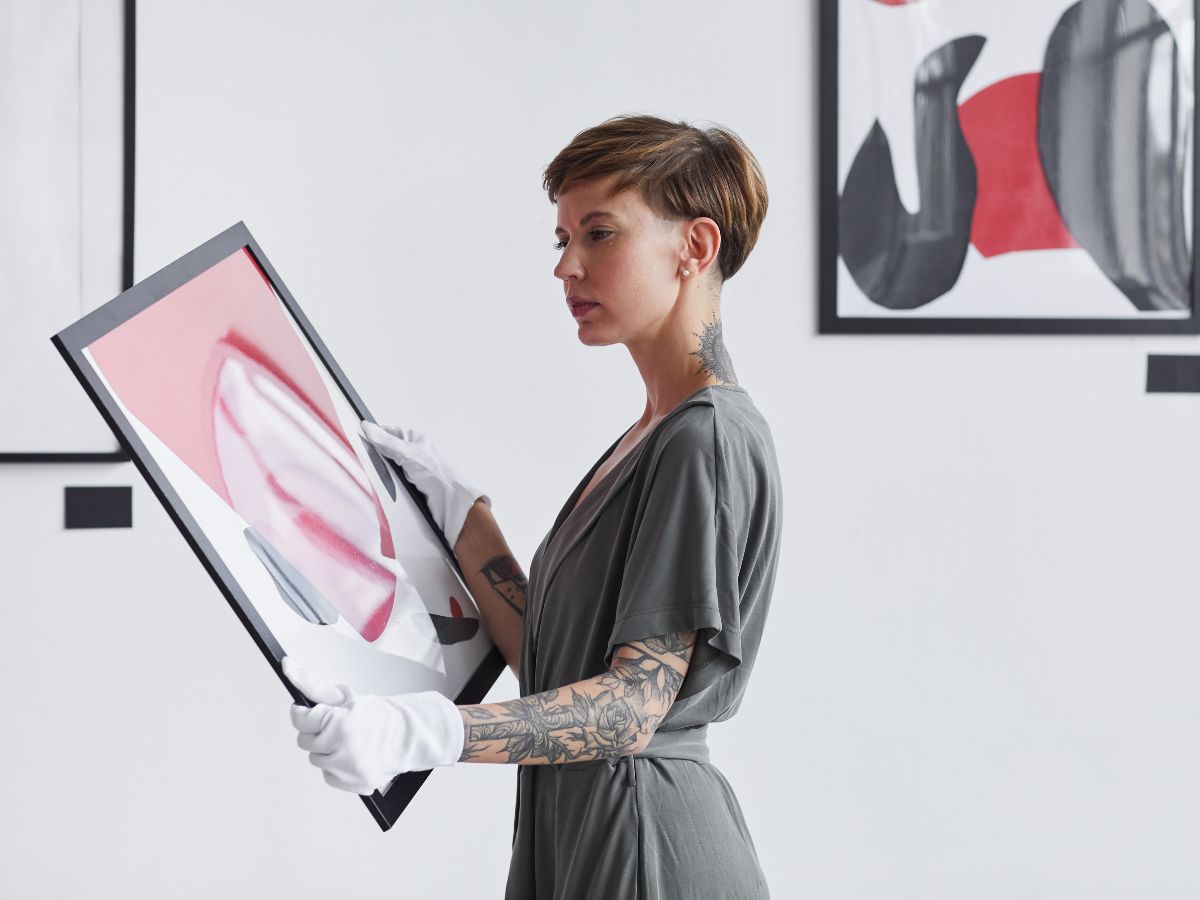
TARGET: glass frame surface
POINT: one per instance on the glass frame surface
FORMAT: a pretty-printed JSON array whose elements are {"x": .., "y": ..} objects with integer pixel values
[{"x": 385, "y": 806}]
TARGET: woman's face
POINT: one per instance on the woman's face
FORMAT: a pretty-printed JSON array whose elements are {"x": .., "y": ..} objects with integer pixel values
[{"x": 619, "y": 255}]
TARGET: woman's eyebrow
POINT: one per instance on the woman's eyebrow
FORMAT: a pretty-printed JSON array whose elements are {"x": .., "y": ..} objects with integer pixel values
[{"x": 586, "y": 219}]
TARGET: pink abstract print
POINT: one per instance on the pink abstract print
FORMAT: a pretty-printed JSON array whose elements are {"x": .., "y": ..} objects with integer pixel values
[{"x": 217, "y": 372}]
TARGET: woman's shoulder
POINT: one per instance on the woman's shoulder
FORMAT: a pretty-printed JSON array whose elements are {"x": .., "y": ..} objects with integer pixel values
[
  {"x": 735, "y": 411},
  {"x": 721, "y": 420}
]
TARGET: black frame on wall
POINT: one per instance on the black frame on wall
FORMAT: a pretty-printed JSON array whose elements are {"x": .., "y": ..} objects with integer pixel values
[
  {"x": 129, "y": 79},
  {"x": 830, "y": 322},
  {"x": 385, "y": 807}
]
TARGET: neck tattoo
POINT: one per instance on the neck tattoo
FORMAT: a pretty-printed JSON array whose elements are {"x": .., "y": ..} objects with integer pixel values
[{"x": 714, "y": 358}]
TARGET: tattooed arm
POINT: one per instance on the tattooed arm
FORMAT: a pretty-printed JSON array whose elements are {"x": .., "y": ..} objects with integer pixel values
[
  {"x": 494, "y": 579},
  {"x": 611, "y": 714}
]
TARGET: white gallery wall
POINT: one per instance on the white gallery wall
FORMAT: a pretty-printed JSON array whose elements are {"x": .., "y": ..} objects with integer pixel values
[{"x": 980, "y": 676}]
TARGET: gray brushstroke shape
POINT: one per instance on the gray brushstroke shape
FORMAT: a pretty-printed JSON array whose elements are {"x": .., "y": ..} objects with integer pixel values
[
  {"x": 381, "y": 468},
  {"x": 445, "y": 629},
  {"x": 903, "y": 260},
  {"x": 296, "y": 590},
  {"x": 1114, "y": 146}
]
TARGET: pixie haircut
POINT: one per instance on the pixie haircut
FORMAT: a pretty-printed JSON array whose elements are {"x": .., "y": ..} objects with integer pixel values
[{"x": 679, "y": 170}]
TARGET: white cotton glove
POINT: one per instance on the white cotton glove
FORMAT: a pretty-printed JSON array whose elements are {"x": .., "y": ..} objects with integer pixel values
[
  {"x": 450, "y": 496},
  {"x": 362, "y": 742}
]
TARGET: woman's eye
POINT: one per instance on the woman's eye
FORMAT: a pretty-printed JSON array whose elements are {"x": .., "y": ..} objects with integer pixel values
[{"x": 598, "y": 231}]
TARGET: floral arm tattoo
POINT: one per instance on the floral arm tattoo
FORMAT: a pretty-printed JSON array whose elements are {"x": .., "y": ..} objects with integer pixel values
[{"x": 609, "y": 715}]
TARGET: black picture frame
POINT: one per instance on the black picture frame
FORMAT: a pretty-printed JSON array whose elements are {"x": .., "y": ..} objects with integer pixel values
[
  {"x": 71, "y": 341},
  {"x": 129, "y": 114},
  {"x": 829, "y": 321}
]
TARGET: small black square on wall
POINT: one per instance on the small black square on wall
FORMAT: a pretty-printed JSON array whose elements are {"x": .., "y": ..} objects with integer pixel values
[
  {"x": 1170, "y": 374},
  {"x": 99, "y": 507}
]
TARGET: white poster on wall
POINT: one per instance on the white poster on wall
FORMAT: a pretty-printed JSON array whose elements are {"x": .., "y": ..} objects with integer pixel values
[{"x": 61, "y": 223}]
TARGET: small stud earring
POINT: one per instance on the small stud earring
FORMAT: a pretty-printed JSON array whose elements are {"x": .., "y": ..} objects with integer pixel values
[{"x": 685, "y": 273}]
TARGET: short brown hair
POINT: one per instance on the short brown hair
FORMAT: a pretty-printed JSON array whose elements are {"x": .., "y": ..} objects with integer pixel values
[{"x": 681, "y": 172}]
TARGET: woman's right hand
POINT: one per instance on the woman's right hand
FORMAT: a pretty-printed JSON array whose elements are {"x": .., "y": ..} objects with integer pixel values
[{"x": 449, "y": 495}]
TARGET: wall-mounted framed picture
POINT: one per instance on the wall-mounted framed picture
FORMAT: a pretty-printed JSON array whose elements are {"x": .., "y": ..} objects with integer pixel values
[
  {"x": 1020, "y": 167},
  {"x": 247, "y": 431},
  {"x": 66, "y": 224}
]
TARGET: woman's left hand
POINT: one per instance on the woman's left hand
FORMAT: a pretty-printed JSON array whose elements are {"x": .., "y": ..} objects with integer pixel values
[{"x": 362, "y": 742}]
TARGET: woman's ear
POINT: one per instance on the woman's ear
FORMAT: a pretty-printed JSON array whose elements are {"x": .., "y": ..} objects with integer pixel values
[{"x": 703, "y": 242}]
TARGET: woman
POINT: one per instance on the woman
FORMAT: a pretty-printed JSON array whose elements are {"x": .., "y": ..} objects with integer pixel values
[{"x": 646, "y": 601}]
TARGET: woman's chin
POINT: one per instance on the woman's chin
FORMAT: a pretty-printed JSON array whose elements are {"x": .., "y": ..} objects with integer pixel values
[{"x": 589, "y": 337}]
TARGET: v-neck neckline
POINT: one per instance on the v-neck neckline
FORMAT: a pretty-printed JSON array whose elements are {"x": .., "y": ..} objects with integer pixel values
[
  {"x": 574, "y": 504},
  {"x": 576, "y": 500}
]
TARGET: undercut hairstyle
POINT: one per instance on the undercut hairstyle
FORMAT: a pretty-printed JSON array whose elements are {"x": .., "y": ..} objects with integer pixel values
[{"x": 679, "y": 170}]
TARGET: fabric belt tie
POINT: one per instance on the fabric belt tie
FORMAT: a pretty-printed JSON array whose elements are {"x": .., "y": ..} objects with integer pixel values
[{"x": 682, "y": 743}]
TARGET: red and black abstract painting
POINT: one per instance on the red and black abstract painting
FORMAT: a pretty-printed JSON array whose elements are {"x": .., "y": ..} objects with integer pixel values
[{"x": 1017, "y": 166}]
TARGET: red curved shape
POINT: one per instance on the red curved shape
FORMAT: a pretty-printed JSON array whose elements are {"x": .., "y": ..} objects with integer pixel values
[{"x": 1014, "y": 209}]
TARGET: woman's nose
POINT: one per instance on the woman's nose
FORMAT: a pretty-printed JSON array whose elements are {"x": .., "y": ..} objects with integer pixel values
[{"x": 567, "y": 266}]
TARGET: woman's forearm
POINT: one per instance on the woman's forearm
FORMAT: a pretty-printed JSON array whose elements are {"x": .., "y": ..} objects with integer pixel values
[
  {"x": 608, "y": 715},
  {"x": 494, "y": 579}
]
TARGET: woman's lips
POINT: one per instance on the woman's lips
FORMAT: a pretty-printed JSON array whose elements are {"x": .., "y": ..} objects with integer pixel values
[{"x": 580, "y": 308}]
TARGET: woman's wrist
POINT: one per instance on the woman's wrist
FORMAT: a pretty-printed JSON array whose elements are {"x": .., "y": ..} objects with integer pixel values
[
  {"x": 494, "y": 579},
  {"x": 479, "y": 528}
]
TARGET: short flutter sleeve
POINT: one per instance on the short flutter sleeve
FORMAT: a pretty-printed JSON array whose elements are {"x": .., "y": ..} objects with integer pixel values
[{"x": 692, "y": 516}]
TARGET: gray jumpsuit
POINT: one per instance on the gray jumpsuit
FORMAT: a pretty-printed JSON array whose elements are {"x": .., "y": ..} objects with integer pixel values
[{"x": 683, "y": 533}]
